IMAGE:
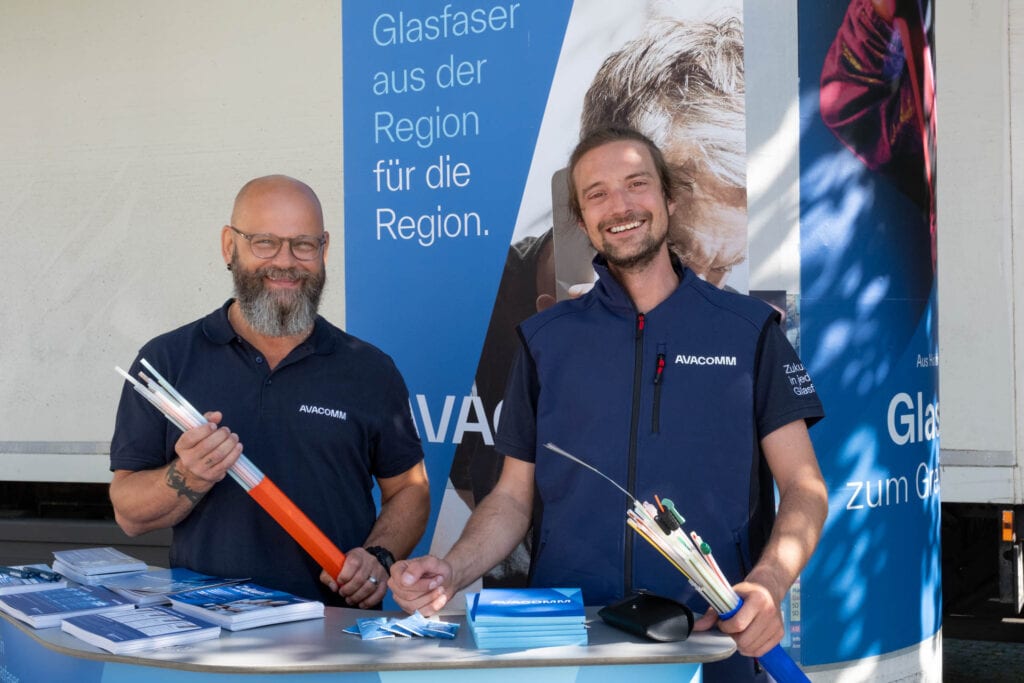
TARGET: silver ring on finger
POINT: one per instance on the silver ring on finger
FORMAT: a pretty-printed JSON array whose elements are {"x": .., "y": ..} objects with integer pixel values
[{"x": 373, "y": 580}]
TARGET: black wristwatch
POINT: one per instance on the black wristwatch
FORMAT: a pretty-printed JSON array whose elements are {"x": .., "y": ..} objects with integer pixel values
[{"x": 383, "y": 556}]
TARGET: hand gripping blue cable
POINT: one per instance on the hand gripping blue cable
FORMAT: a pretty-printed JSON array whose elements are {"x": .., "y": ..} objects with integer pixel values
[{"x": 776, "y": 662}]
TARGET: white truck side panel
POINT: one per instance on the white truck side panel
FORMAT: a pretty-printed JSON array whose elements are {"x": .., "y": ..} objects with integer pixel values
[{"x": 979, "y": 368}]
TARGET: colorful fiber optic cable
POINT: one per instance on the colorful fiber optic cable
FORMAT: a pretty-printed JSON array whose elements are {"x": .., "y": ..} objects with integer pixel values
[{"x": 661, "y": 525}]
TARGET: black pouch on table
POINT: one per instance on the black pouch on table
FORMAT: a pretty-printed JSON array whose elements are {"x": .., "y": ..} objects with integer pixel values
[{"x": 650, "y": 616}]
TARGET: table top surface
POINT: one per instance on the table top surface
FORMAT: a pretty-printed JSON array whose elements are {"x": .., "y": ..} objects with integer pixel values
[{"x": 319, "y": 645}]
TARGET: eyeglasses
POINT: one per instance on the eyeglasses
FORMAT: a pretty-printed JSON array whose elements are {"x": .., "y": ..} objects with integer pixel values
[
  {"x": 29, "y": 573},
  {"x": 264, "y": 245}
]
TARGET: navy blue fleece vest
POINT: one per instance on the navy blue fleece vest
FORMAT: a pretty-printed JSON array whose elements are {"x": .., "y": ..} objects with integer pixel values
[{"x": 686, "y": 432}]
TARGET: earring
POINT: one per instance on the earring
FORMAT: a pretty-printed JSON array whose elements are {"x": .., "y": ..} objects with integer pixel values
[{"x": 229, "y": 266}]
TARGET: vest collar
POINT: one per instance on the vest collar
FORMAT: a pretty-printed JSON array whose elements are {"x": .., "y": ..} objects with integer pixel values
[{"x": 611, "y": 293}]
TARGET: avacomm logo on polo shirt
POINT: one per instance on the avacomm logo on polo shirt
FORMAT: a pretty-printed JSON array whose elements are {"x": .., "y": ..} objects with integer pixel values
[
  {"x": 327, "y": 412},
  {"x": 693, "y": 359}
]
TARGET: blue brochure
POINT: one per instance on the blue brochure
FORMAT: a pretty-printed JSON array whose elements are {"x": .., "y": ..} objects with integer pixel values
[{"x": 526, "y": 606}]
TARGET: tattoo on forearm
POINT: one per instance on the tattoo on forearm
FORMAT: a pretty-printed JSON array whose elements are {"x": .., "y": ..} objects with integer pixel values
[{"x": 177, "y": 482}]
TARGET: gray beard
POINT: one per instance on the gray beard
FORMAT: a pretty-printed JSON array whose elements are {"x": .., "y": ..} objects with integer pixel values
[{"x": 281, "y": 314}]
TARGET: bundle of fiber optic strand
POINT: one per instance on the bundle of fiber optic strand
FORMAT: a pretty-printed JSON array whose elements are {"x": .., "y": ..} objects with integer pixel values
[
  {"x": 184, "y": 416},
  {"x": 662, "y": 527}
]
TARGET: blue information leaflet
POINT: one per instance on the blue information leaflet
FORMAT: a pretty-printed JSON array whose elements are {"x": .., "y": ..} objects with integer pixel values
[
  {"x": 526, "y": 617},
  {"x": 245, "y": 605},
  {"x": 43, "y": 609},
  {"x": 139, "y": 629},
  {"x": 526, "y": 606}
]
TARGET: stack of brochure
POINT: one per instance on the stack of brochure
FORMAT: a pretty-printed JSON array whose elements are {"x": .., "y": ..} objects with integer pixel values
[
  {"x": 95, "y": 566},
  {"x": 245, "y": 605},
  {"x": 26, "y": 578},
  {"x": 139, "y": 629},
  {"x": 526, "y": 617},
  {"x": 43, "y": 609},
  {"x": 155, "y": 586}
]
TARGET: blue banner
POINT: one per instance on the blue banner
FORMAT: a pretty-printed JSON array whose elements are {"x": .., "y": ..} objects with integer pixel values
[
  {"x": 443, "y": 101},
  {"x": 869, "y": 325}
]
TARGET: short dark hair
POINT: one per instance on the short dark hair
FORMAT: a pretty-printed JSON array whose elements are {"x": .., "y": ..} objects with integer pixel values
[{"x": 603, "y": 136}]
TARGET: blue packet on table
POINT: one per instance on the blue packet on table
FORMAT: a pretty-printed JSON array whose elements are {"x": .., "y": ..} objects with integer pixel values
[
  {"x": 432, "y": 628},
  {"x": 441, "y": 629},
  {"x": 373, "y": 629},
  {"x": 396, "y": 627}
]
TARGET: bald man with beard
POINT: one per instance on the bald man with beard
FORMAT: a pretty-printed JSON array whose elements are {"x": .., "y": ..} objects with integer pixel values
[{"x": 321, "y": 413}]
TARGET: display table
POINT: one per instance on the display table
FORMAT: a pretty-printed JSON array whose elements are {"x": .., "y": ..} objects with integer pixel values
[{"x": 318, "y": 650}]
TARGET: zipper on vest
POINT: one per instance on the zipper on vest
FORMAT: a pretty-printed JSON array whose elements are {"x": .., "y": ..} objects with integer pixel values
[
  {"x": 659, "y": 375},
  {"x": 634, "y": 426}
]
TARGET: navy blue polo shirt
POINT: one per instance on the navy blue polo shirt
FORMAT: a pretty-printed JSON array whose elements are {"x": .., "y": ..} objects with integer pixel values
[{"x": 329, "y": 418}]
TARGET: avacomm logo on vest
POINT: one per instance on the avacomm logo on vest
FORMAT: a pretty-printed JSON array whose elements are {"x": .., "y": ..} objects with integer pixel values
[{"x": 690, "y": 359}]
